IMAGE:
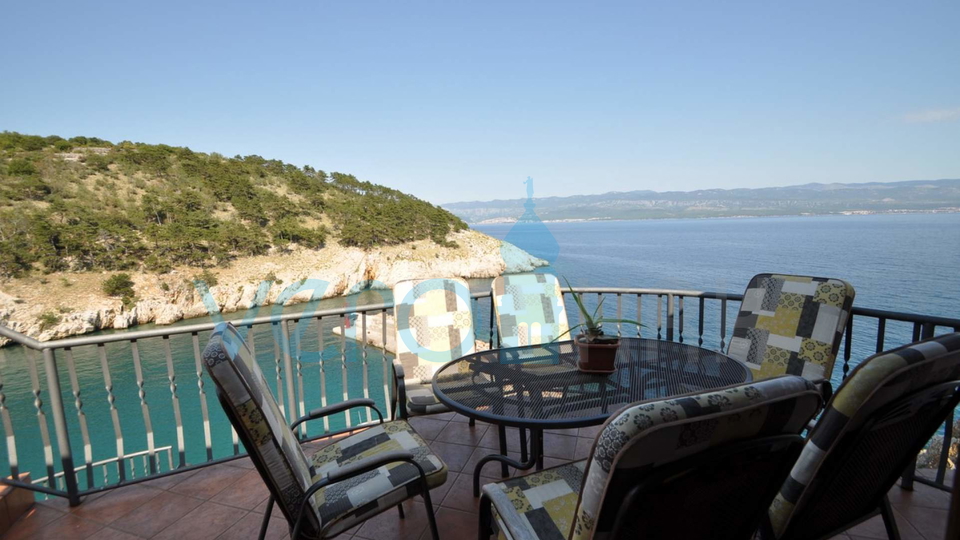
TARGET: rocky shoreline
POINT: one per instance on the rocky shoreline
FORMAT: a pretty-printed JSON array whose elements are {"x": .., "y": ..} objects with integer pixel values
[{"x": 60, "y": 305}]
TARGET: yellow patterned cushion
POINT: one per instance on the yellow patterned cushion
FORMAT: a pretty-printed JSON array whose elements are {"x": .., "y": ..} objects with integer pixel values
[
  {"x": 791, "y": 325},
  {"x": 541, "y": 505}
]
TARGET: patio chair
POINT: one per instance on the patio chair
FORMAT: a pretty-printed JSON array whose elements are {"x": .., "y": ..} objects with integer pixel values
[
  {"x": 434, "y": 326},
  {"x": 791, "y": 325},
  {"x": 348, "y": 481},
  {"x": 880, "y": 418},
  {"x": 529, "y": 309},
  {"x": 695, "y": 466}
]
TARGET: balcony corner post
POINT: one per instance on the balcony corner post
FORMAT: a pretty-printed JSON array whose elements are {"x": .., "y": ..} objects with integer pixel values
[{"x": 60, "y": 426}]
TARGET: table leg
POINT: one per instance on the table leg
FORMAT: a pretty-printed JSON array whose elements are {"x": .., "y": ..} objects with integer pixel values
[
  {"x": 535, "y": 452},
  {"x": 538, "y": 453}
]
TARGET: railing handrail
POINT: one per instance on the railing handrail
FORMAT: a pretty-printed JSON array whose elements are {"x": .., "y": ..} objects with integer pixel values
[
  {"x": 22, "y": 339},
  {"x": 67, "y": 343}
]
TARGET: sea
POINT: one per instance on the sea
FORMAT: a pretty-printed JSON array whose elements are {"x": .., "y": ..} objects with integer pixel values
[{"x": 898, "y": 262}]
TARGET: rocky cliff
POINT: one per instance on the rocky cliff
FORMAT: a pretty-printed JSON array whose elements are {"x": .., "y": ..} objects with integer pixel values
[{"x": 60, "y": 305}]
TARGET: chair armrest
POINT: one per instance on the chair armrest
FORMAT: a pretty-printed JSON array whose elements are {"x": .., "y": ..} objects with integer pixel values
[
  {"x": 339, "y": 407},
  {"x": 366, "y": 465},
  {"x": 398, "y": 369},
  {"x": 401, "y": 394},
  {"x": 355, "y": 469}
]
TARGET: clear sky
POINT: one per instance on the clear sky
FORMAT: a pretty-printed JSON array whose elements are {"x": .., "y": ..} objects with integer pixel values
[{"x": 455, "y": 100}]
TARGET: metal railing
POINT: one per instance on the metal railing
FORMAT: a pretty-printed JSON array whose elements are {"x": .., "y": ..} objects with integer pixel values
[
  {"x": 137, "y": 462},
  {"x": 312, "y": 361}
]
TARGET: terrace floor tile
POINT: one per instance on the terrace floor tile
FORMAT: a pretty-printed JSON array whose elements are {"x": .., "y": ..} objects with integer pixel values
[
  {"x": 427, "y": 427},
  {"x": 246, "y": 493},
  {"x": 248, "y": 528},
  {"x": 157, "y": 514},
  {"x": 68, "y": 526},
  {"x": 209, "y": 481},
  {"x": 116, "y": 503},
  {"x": 209, "y": 520},
  {"x": 461, "y": 433}
]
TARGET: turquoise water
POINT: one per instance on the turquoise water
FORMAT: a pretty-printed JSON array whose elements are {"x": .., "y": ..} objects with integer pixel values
[{"x": 897, "y": 262}]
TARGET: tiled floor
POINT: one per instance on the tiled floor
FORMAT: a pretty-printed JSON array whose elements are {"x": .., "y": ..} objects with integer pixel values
[{"x": 227, "y": 501}]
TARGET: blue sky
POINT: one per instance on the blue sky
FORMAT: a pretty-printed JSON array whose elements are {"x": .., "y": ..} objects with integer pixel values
[{"x": 458, "y": 100}]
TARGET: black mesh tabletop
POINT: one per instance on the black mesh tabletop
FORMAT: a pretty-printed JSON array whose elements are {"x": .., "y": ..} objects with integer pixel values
[{"x": 540, "y": 386}]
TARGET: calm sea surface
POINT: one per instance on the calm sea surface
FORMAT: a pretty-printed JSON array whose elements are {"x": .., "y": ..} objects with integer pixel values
[{"x": 897, "y": 262}]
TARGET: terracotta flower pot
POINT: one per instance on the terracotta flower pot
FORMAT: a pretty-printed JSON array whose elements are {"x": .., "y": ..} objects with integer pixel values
[{"x": 599, "y": 356}]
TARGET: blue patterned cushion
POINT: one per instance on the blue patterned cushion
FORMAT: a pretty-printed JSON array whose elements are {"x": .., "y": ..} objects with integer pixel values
[
  {"x": 434, "y": 326},
  {"x": 529, "y": 309}
]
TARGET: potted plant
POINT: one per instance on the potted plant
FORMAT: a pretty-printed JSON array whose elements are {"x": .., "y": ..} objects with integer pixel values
[{"x": 597, "y": 351}]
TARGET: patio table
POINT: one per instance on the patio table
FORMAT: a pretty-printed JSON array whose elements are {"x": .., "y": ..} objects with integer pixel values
[{"x": 539, "y": 387}]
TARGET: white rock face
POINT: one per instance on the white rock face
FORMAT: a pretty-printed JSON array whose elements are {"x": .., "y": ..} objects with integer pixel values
[{"x": 297, "y": 276}]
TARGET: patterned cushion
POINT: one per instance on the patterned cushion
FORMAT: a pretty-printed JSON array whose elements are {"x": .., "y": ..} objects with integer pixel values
[
  {"x": 539, "y": 505},
  {"x": 238, "y": 377},
  {"x": 578, "y": 500},
  {"x": 791, "y": 325},
  {"x": 421, "y": 399},
  {"x": 651, "y": 434},
  {"x": 344, "y": 504},
  {"x": 879, "y": 380},
  {"x": 529, "y": 309},
  {"x": 434, "y": 326}
]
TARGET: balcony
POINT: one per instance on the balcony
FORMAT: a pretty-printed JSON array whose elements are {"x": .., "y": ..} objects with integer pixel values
[{"x": 122, "y": 440}]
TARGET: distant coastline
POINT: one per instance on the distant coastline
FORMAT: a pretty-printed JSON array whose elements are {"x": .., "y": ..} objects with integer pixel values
[
  {"x": 912, "y": 196},
  {"x": 946, "y": 210}
]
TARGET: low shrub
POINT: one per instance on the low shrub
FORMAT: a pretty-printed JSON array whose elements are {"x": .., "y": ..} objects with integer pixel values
[{"x": 118, "y": 285}]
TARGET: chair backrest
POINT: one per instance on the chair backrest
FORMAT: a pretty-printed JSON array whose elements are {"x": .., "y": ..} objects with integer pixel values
[
  {"x": 876, "y": 423},
  {"x": 791, "y": 325},
  {"x": 260, "y": 425},
  {"x": 646, "y": 438},
  {"x": 434, "y": 325},
  {"x": 529, "y": 309}
]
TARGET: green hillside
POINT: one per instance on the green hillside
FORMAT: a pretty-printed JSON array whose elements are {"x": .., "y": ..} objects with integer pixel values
[{"x": 88, "y": 204}]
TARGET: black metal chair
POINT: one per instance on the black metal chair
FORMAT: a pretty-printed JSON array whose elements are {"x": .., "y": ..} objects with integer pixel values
[
  {"x": 346, "y": 482},
  {"x": 879, "y": 419},
  {"x": 695, "y": 466}
]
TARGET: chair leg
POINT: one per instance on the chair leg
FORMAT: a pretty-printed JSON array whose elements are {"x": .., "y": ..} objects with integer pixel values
[
  {"x": 266, "y": 519},
  {"x": 889, "y": 520},
  {"x": 400, "y": 509},
  {"x": 906, "y": 479},
  {"x": 473, "y": 422},
  {"x": 523, "y": 445},
  {"x": 485, "y": 517},
  {"x": 428, "y": 502}
]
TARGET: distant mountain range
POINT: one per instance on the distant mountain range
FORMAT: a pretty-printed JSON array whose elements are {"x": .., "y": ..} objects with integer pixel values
[{"x": 873, "y": 197}]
